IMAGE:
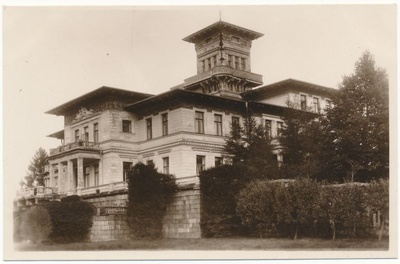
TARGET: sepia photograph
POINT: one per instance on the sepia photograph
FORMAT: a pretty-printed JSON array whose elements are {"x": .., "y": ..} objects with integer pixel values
[{"x": 200, "y": 132}]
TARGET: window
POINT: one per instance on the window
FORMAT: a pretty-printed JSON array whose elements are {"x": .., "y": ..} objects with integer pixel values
[
  {"x": 209, "y": 63},
  {"x": 127, "y": 126},
  {"x": 96, "y": 175},
  {"x": 200, "y": 164},
  {"x": 86, "y": 133},
  {"x": 237, "y": 62},
  {"x": 149, "y": 128},
  {"x": 203, "y": 66},
  {"x": 235, "y": 39},
  {"x": 235, "y": 124},
  {"x": 328, "y": 104},
  {"x": 218, "y": 124},
  {"x": 215, "y": 60},
  {"x": 76, "y": 135},
  {"x": 303, "y": 102},
  {"x": 96, "y": 133},
  {"x": 268, "y": 128},
  {"x": 126, "y": 167},
  {"x": 219, "y": 161},
  {"x": 55, "y": 182},
  {"x": 164, "y": 118},
  {"x": 230, "y": 60},
  {"x": 150, "y": 162},
  {"x": 86, "y": 177},
  {"x": 166, "y": 165},
  {"x": 199, "y": 122},
  {"x": 316, "y": 104},
  {"x": 242, "y": 64},
  {"x": 279, "y": 128}
]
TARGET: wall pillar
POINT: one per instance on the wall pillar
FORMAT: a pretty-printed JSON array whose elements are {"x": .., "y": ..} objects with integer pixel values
[
  {"x": 101, "y": 180},
  {"x": 70, "y": 178},
  {"x": 51, "y": 173},
  {"x": 80, "y": 176},
  {"x": 60, "y": 176}
]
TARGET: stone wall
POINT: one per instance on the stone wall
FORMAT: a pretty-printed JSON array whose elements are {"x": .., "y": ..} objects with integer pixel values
[
  {"x": 102, "y": 200},
  {"x": 182, "y": 218},
  {"x": 109, "y": 227}
]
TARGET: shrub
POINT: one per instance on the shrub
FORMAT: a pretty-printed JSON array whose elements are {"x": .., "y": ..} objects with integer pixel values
[
  {"x": 219, "y": 187},
  {"x": 149, "y": 194},
  {"x": 256, "y": 206},
  {"x": 36, "y": 224},
  {"x": 309, "y": 209},
  {"x": 71, "y": 219}
]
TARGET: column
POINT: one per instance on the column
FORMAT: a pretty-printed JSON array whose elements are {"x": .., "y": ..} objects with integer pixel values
[
  {"x": 70, "y": 178},
  {"x": 51, "y": 173},
  {"x": 80, "y": 176},
  {"x": 60, "y": 176},
  {"x": 101, "y": 180}
]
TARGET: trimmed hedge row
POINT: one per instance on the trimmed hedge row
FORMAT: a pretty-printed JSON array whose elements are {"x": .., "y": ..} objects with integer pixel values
[{"x": 307, "y": 208}]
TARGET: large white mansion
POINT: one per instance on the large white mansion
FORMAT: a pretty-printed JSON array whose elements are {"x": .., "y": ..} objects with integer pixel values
[{"x": 181, "y": 131}]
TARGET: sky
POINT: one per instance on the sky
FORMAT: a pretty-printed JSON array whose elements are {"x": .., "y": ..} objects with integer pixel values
[{"x": 54, "y": 54}]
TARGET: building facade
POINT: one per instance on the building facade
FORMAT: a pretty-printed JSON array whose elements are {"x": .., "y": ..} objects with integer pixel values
[{"x": 181, "y": 131}]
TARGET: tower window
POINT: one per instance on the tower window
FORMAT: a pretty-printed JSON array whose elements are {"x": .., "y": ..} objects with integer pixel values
[
  {"x": 235, "y": 39},
  {"x": 127, "y": 126},
  {"x": 237, "y": 62}
]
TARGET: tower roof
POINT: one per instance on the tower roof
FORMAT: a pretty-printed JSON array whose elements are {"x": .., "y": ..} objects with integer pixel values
[{"x": 201, "y": 34}]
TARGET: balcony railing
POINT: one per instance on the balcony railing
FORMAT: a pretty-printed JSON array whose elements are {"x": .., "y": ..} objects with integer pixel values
[
  {"x": 36, "y": 192},
  {"x": 224, "y": 70},
  {"x": 105, "y": 188},
  {"x": 75, "y": 145}
]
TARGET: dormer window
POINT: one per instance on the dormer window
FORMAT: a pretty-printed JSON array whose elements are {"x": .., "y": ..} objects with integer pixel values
[{"x": 235, "y": 39}]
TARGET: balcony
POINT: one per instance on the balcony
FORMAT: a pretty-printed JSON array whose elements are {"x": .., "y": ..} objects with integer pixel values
[
  {"x": 81, "y": 145},
  {"x": 225, "y": 70}
]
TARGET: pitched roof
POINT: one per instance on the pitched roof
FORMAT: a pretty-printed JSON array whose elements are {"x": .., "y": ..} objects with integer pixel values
[
  {"x": 193, "y": 38},
  {"x": 102, "y": 92},
  {"x": 288, "y": 84}
]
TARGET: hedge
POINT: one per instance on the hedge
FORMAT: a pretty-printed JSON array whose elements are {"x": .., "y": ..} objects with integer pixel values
[
  {"x": 71, "y": 218},
  {"x": 149, "y": 193},
  {"x": 311, "y": 209}
]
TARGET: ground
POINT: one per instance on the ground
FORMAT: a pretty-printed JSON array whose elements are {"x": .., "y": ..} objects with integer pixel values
[{"x": 214, "y": 244}]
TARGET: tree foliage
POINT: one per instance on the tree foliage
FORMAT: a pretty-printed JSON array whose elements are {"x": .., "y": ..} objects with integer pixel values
[
  {"x": 250, "y": 145},
  {"x": 302, "y": 137},
  {"x": 149, "y": 194},
  {"x": 36, "y": 224},
  {"x": 36, "y": 168},
  {"x": 359, "y": 122},
  {"x": 71, "y": 219},
  {"x": 219, "y": 187}
]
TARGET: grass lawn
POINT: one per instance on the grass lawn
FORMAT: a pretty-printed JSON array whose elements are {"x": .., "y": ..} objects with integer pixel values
[{"x": 215, "y": 244}]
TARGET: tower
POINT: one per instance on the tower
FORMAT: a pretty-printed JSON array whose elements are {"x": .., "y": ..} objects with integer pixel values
[{"x": 223, "y": 60}]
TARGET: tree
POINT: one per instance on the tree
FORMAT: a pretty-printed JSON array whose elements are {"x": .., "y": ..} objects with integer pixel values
[
  {"x": 302, "y": 137},
  {"x": 359, "y": 122},
  {"x": 36, "y": 168},
  {"x": 250, "y": 145}
]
